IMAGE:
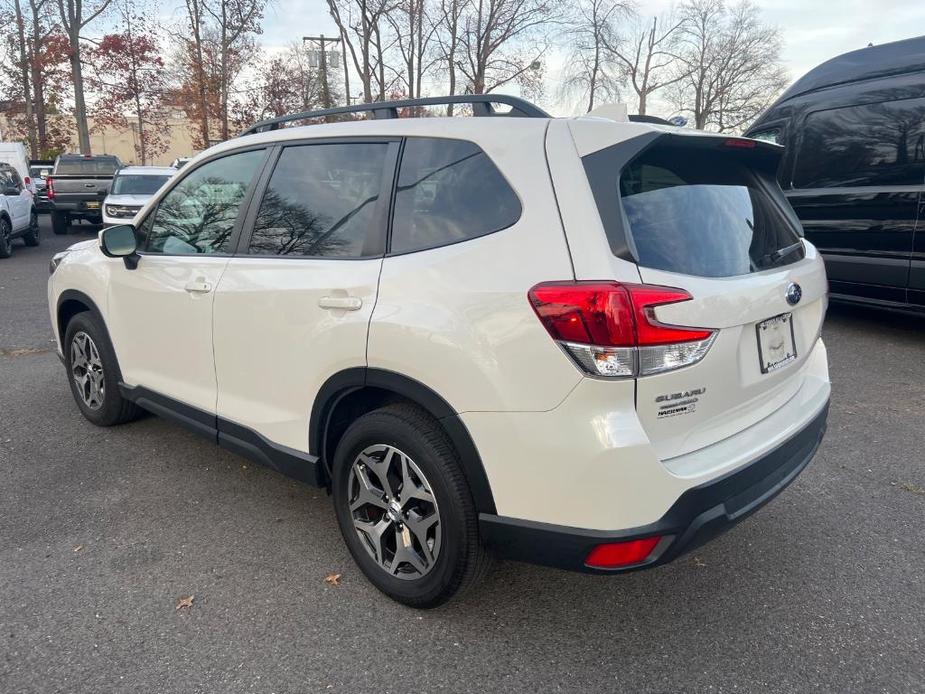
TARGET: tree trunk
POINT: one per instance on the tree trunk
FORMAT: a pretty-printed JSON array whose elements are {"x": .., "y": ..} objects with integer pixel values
[
  {"x": 343, "y": 45},
  {"x": 23, "y": 69},
  {"x": 38, "y": 82},
  {"x": 80, "y": 104}
]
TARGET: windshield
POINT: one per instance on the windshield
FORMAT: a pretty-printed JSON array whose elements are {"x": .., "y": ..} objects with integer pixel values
[
  {"x": 137, "y": 184},
  {"x": 704, "y": 213}
]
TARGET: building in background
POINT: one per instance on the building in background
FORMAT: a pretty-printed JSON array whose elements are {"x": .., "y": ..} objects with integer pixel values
[{"x": 118, "y": 141}]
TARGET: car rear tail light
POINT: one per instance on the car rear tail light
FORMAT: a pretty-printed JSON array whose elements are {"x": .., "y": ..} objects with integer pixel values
[
  {"x": 27, "y": 180},
  {"x": 614, "y": 555},
  {"x": 610, "y": 328},
  {"x": 49, "y": 188}
]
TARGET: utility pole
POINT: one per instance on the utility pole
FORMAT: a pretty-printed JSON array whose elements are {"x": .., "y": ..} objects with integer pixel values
[{"x": 323, "y": 66}]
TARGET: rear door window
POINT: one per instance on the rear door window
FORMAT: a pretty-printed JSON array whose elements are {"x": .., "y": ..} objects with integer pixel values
[
  {"x": 321, "y": 202},
  {"x": 869, "y": 145},
  {"x": 448, "y": 191},
  {"x": 706, "y": 213}
]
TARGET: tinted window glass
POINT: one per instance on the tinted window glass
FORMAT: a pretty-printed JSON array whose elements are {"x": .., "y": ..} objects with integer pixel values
[
  {"x": 137, "y": 184},
  {"x": 772, "y": 136},
  {"x": 198, "y": 214},
  {"x": 96, "y": 166},
  {"x": 8, "y": 176},
  {"x": 704, "y": 213},
  {"x": 874, "y": 144},
  {"x": 448, "y": 191},
  {"x": 321, "y": 201}
]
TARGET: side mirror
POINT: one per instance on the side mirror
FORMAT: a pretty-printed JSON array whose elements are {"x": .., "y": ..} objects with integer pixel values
[
  {"x": 119, "y": 242},
  {"x": 10, "y": 190}
]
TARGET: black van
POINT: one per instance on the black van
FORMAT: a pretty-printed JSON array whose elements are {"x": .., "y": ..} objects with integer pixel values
[{"x": 854, "y": 169}]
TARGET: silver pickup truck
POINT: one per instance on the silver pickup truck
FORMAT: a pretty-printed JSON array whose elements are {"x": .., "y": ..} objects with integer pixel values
[{"x": 77, "y": 187}]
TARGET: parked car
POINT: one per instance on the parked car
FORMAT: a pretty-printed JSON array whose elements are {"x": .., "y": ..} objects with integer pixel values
[
  {"x": 40, "y": 170},
  {"x": 78, "y": 185},
  {"x": 15, "y": 154},
  {"x": 854, "y": 169},
  {"x": 577, "y": 342},
  {"x": 131, "y": 188},
  {"x": 18, "y": 218}
]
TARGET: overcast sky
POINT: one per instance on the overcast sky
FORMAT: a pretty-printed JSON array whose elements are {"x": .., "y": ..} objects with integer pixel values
[{"x": 813, "y": 31}]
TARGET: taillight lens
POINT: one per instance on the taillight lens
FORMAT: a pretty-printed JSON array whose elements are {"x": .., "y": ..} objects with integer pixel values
[
  {"x": 610, "y": 329},
  {"x": 50, "y": 188}
]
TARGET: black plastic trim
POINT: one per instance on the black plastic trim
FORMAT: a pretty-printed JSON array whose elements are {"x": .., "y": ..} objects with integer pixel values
[
  {"x": 699, "y": 515},
  {"x": 230, "y": 435},
  {"x": 349, "y": 380},
  {"x": 75, "y": 295}
]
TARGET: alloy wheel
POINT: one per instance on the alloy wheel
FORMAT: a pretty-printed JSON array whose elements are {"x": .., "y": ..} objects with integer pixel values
[
  {"x": 87, "y": 370},
  {"x": 394, "y": 512}
]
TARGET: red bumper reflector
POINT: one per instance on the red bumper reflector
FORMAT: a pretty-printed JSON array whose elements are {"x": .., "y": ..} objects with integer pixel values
[{"x": 613, "y": 555}]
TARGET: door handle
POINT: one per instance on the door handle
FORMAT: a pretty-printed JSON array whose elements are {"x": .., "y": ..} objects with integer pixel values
[
  {"x": 199, "y": 286},
  {"x": 344, "y": 303}
]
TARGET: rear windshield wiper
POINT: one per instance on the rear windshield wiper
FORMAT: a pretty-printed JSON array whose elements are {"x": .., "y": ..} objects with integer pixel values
[{"x": 774, "y": 256}]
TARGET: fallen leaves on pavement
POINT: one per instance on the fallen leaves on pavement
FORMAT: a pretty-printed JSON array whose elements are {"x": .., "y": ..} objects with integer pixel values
[
  {"x": 332, "y": 579},
  {"x": 185, "y": 602},
  {"x": 77, "y": 548}
]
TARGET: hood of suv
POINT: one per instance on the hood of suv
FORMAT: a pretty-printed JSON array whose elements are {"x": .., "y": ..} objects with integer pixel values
[{"x": 128, "y": 200}]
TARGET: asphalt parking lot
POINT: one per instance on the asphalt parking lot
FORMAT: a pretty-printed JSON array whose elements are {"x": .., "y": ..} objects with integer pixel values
[{"x": 102, "y": 531}]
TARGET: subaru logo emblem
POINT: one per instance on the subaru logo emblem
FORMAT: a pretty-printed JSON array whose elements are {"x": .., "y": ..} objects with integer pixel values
[{"x": 794, "y": 294}]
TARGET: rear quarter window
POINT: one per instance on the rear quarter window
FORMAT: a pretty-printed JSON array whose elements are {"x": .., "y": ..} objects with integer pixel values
[{"x": 448, "y": 191}]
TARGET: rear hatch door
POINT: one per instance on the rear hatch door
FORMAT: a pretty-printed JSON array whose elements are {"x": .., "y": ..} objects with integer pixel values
[{"x": 705, "y": 214}]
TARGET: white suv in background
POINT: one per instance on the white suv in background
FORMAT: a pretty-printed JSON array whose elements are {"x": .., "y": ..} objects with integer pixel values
[
  {"x": 577, "y": 342},
  {"x": 131, "y": 188},
  {"x": 18, "y": 218}
]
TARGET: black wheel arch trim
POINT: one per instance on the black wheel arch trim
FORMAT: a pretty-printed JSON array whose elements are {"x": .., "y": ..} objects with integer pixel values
[
  {"x": 76, "y": 295},
  {"x": 349, "y": 380}
]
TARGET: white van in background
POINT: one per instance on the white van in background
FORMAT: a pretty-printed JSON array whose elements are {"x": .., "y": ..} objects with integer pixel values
[{"x": 15, "y": 154}]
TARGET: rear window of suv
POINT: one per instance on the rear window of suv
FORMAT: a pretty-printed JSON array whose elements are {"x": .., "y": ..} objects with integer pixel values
[{"x": 698, "y": 211}]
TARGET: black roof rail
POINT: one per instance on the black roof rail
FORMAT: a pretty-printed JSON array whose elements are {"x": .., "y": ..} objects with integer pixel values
[{"x": 481, "y": 106}]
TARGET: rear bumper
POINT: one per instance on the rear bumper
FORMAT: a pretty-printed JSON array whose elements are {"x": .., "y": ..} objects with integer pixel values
[
  {"x": 699, "y": 515},
  {"x": 77, "y": 207}
]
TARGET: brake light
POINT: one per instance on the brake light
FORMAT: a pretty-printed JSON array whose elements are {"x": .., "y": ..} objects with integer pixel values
[
  {"x": 27, "y": 180},
  {"x": 740, "y": 143},
  {"x": 614, "y": 555},
  {"x": 49, "y": 188},
  {"x": 610, "y": 328}
]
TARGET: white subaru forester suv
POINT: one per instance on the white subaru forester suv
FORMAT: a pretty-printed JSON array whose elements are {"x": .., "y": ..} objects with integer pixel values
[{"x": 582, "y": 343}]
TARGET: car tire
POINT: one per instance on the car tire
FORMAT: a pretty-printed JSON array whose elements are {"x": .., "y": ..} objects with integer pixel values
[
  {"x": 31, "y": 237},
  {"x": 93, "y": 372},
  {"x": 60, "y": 223},
  {"x": 415, "y": 536},
  {"x": 6, "y": 238}
]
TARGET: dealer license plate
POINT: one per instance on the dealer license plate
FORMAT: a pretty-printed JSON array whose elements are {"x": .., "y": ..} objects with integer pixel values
[{"x": 776, "y": 344}]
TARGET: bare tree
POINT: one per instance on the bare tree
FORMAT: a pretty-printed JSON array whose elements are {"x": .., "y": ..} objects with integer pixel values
[
  {"x": 195, "y": 54},
  {"x": 363, "y": 27},
  {"x": 74, "y": 18},
  {"x": 235, "y": 23},
  {"x": 730, "y": 62},
  {"x": 502, "y": 41},
  {"x": 648, "y": 57},
  {"x": 24, "y": 74},
  {"x": 414, "y": 31},
  {"x": 590, "y": 72}
]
